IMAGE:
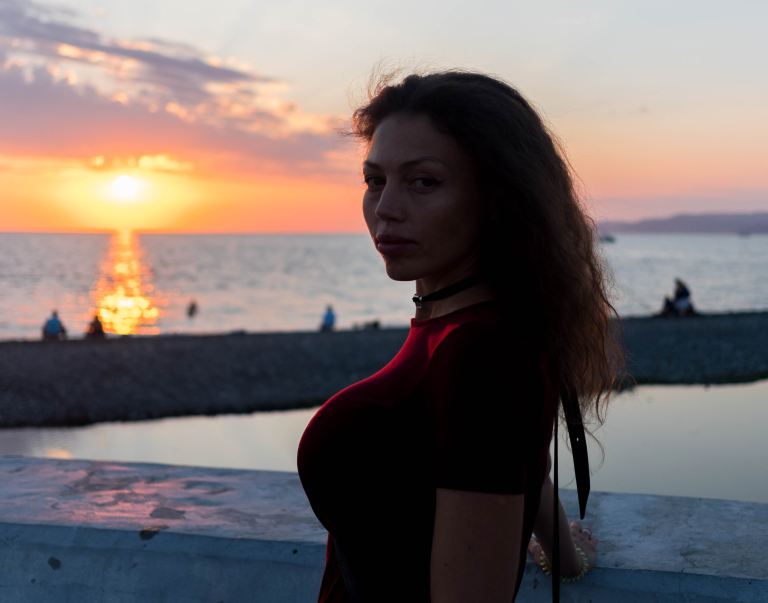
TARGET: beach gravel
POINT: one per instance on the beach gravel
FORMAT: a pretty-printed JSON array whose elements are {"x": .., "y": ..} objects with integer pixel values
[{"x": 133, "y": 378}]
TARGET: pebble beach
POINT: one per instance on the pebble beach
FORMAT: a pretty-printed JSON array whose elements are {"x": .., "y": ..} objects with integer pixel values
[{"x": 79, "y": 382}]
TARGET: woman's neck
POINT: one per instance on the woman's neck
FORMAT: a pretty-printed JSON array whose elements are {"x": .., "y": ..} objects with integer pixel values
[{"x": 473, "y": 295}]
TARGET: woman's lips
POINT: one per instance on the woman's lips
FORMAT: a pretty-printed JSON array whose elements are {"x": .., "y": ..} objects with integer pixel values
[
  {"x": 392, "y": 245},
  {"x": 399, "y": 248}
]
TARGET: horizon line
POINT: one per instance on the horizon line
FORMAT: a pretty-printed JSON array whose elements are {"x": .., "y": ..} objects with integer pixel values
[
  {"x": 185, "y": 232},
  {"x": 162, "y": 231}
]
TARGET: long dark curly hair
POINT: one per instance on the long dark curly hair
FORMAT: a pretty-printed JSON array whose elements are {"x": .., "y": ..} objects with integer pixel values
[{"x": 538, "y": 250}]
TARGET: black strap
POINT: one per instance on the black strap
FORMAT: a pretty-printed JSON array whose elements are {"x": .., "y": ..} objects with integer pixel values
[
  {"x": 448, "y": 291},
  {"x": 581, "y": 469},
  {"x": 556, "y": 534},
  {"x": 578, "y": 448}
]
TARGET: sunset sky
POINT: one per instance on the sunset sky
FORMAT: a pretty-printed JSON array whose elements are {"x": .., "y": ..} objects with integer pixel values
[{"x": 224, "y": 116}]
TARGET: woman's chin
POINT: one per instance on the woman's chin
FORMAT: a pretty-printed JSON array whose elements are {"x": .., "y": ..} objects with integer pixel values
[{"x": 400, "y": 271}]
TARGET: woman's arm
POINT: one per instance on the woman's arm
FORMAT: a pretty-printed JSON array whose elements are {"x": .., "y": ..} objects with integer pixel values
[
  {"x": 543, "y": 529},
  {"x": 476, "y": 546}
]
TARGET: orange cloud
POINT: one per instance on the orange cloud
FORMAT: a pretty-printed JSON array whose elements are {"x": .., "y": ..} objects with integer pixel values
[{"x": 217, "y": 144}]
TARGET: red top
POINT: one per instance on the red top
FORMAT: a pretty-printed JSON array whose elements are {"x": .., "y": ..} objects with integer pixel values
[{"x": 465, "y": 404}]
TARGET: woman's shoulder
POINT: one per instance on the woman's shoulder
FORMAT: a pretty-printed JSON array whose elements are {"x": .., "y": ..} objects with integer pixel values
[
  {"x": 475, "y": 363},
  {"x": 487, "y": 345},
  {"x": 486, "y": 329}
]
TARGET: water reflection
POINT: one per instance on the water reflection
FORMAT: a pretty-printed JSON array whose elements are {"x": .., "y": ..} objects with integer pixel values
[
  {"x": 123, "y": 296},
  {"x": 671, "y": 440},
  {"x": 262, "y": 440}
]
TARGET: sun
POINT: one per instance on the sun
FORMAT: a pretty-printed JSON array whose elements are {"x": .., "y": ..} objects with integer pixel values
[{"x": 127, "y": 189}]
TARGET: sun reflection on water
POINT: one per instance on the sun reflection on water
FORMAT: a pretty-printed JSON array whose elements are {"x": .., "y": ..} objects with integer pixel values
[
  {"x": 123, "y": 295},
  {"x": 57, "y": 453}
]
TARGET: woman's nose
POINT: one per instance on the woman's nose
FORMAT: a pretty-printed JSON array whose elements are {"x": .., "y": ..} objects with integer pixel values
[{"x": 390, "y": 205}]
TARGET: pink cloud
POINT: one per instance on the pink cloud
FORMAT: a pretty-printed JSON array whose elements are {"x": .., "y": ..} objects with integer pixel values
[{"x": 167, "y": 100}]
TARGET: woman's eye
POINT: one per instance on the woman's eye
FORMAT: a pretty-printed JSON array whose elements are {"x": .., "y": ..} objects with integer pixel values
[
  {"x": 373, "y": 182},
  {"x": 425, "y": 183}
]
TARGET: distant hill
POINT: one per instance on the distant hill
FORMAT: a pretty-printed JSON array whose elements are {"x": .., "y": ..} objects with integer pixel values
[{"x": 693, "y": 223}]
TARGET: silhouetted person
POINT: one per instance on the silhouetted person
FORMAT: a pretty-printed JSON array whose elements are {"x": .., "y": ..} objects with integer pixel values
[
  {"x": 95, "y": 329},
  {"x": 329, "y": 319},
  {"x": 53, "y": 329},
  {"x": 680, "y": 304},
  {"x": 668, "y": 309},
  {"x": 192, "y": 309},
  {"x": 683, "y": 303}
]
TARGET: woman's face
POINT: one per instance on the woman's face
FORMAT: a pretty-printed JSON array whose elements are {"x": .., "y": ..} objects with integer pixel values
[{"x": 420, "y": 187}]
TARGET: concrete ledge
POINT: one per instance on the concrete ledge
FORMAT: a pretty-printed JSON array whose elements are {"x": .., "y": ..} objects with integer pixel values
[
  {"x": 88, "y": 531},
  {"x": 82, "y": 531},
  {"x": 667, "y": 549},
  {"x": 83, "y": 564}
]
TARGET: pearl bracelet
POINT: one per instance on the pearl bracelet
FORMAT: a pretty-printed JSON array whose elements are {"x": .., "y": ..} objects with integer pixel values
[{"x": 544, "y": 564}]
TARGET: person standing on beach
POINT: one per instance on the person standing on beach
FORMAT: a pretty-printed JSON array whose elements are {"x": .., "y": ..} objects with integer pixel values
[
  {"x": 329, "y": 319},
  {"x": 432, "y": 475},
  {"x": 53, "y": 329},
  {"x": 192, "y": 309}
]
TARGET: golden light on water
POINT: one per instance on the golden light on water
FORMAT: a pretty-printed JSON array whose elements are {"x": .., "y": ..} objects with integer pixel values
[
  {"x": 57, "y": 453},
  {"x": 123, "y": 294}
]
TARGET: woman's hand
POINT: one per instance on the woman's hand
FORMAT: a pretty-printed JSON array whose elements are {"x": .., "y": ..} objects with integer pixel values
[
  {"x": 571, "y": 533},
  {"x": 580, "y": 536},
  {"x": 587, "y": 543}
]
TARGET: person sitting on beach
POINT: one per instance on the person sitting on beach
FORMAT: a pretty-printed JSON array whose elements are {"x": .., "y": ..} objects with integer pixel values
[
  {"x": 668, "y": 308},
  {"x": 329, "y": 319},
  {"x": 680, "y": 304},
  {"x": 95, "y": 329},
  {"x": 682, "y": 299},
  {"x": 431, "y": 476},
  {"x": 53, "y": 329}
]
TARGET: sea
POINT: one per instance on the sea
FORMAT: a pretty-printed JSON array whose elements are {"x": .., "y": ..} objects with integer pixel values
[
  {"x": 669, "y": 440},
  {"x": 143, "y": 284}
]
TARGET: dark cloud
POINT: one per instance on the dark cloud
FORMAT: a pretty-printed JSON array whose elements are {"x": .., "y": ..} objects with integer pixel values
[
  {"x": 47, "y": 117},
  {"x": 178, "y": 68},
  {"x": 176, "y": 48},
  {"x": 30, "y": 20}
]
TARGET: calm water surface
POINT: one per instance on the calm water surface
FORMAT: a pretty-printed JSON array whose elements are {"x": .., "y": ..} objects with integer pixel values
[
  {"x": 142, "y": 284},
  {"x": 687, "y": 441}
]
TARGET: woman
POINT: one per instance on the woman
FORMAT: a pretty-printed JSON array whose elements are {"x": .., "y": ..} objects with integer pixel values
[{"x": 432, "y": 474}]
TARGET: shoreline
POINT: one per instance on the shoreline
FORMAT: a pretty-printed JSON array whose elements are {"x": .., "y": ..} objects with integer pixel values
[
  {"x": 79, "y": 382},
  {"x": 737, "y": 314}
]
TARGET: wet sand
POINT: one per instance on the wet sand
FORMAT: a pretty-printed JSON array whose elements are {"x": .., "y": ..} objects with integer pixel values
[{"x": 132, "y": 378}]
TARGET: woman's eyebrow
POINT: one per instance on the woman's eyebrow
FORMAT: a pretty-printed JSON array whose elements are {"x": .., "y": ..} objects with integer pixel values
[{"x": 406, "y": 164}]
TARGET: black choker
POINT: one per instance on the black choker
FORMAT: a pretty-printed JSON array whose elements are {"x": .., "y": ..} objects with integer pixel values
[{"x": 447, "y": 291}]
